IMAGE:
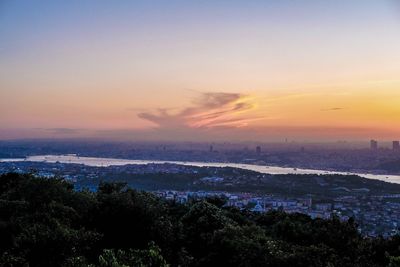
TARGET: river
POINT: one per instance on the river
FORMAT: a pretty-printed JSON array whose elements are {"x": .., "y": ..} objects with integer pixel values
[{"x": 105, "y": 162}]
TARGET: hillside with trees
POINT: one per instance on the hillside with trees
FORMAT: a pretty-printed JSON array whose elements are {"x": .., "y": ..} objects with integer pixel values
[{"x": 45, "y": 222}]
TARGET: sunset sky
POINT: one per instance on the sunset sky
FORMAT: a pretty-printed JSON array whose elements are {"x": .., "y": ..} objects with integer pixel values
[{"x": 200, "y": 70}]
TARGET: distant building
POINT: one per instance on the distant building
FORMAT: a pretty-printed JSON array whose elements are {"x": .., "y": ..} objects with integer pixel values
[
  {"x": 323, "y": 207},
  {"x": 211, "y": 148},
  {"x": 374, "y": 145},
  {"x": 306, "y": 202},
  {"x": 258, "y": 150},
  {"x": 258, "y": 208},
  {"x": 396, "y": 145}
]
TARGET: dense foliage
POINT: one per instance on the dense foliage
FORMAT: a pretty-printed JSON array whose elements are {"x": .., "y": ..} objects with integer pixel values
[{"x": 44, "y": 222}]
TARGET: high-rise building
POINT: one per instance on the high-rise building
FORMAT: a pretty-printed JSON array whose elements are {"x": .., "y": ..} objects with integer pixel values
[
  {"x": 211, "y": 148},
  {"x": 396, "y": 145},
  {"x": 374, "y": 145}
]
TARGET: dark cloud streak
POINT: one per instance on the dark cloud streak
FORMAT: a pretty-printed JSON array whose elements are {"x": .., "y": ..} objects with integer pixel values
[{"x": 332, "y": 109}]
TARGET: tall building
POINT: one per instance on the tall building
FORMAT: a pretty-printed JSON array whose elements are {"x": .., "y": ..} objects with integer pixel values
[
  {"x": 374, "y": 145},
  {"x": 396, "y": 145},
  {"x": 258, "y": 150},
  {"x": 211, "y": 148}
]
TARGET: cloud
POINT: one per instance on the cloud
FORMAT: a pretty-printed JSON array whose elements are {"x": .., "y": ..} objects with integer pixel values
[
  {"x": 332, "y": 109},
  {"x": 209, "y": 110}
]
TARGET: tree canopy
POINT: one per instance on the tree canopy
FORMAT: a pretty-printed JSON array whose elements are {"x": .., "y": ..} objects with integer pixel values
[{"x": 45, "y": 222}]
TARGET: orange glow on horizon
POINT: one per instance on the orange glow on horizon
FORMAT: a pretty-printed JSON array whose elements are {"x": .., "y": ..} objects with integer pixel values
[{"x": 238, "y": 71}]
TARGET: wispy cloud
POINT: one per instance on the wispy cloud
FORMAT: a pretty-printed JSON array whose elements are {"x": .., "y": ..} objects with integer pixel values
[
  {"x": 332, "y": 109},
  {"x": 208, "y": 110}
]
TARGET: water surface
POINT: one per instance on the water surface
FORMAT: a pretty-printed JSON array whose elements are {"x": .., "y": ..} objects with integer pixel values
[{"x": 105, "y": 162}]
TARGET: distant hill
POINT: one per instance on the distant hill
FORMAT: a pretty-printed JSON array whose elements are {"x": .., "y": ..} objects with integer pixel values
[{"x": 239, "y": 180}]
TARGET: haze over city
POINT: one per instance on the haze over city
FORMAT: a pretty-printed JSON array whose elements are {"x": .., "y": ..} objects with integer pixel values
[{"x": 200, "y": 70}]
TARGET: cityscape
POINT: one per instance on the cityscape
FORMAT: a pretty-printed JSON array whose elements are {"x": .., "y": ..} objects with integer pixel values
[
  {"x": 376, "y": 213},
  {"x": 200, "y": 133}
]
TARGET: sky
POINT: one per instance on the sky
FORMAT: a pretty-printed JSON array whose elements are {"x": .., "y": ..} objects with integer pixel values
[{"x": 200, "y": 70}]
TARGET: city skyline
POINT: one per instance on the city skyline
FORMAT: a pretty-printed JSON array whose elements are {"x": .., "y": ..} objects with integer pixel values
[{"x": 200, "y": 71}]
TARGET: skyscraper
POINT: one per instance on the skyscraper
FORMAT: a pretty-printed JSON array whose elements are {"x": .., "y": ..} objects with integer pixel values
[
  {"x": 374, "y": 145},
  {"x": 258, "y": 150},
  {"x": 396, "y": 145}
]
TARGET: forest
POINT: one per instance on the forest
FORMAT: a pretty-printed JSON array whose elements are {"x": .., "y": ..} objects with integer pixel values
[{"x": 45, "y": 222}]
